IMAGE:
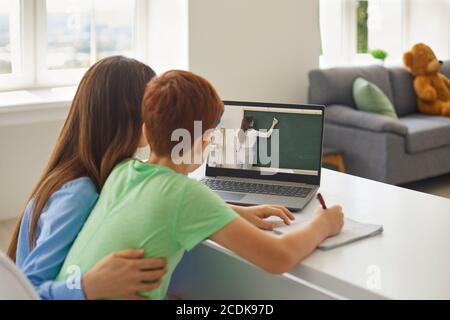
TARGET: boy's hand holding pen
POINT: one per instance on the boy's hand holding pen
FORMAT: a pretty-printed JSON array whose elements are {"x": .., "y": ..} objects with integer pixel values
[{"x": 331, "y": 219}]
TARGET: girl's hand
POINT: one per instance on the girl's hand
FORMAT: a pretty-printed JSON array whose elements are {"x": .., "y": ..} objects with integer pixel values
[
  {"x": 256, "y": 215},
  {"x": 122, "y": 275}
]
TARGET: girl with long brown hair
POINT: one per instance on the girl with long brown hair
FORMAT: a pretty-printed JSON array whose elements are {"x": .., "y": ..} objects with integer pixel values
[{"x": 103, "y": 127}]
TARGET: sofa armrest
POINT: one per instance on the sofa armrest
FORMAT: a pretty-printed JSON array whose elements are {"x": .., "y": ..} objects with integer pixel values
[{"x": 349, "y": 117}]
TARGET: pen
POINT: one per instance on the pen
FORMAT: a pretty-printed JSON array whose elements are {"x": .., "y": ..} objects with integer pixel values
[{"x": 321, "y": 200}]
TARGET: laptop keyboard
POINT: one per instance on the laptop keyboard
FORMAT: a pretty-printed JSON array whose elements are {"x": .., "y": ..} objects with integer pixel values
[{"x": 258, "y": 188}]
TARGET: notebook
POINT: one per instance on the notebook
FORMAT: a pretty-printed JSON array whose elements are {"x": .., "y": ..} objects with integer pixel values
[{"x": 351, "y": 232}]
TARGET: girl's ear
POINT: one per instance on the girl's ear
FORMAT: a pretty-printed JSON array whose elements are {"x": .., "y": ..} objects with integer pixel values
[{"x": 143, "y": 141}]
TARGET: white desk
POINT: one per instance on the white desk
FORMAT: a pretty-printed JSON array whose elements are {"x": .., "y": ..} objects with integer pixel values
[{"x": 410, "y": 260}]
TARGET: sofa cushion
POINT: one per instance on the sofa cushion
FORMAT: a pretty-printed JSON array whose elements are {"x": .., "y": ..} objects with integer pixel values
[
  {"x": 335, "y": 85},
  {"x": 348, "y": 117},
  {"x": 405, "y": 99},
  {"x": 426, "y": 132},
  {"x": 369, "y": 98}
]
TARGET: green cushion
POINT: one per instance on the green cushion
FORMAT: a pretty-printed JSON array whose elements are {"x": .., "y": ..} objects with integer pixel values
[{"x": 368, "y": 97}]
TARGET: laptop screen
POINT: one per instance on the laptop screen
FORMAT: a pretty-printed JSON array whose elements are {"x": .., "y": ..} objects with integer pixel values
[{"x": 268, "y": 141}]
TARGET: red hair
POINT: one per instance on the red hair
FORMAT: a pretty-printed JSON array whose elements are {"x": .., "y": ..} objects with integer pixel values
[{"x": 175, "y": 100}]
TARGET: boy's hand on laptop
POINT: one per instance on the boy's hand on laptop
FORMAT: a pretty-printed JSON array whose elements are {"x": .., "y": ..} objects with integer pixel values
[
  {"x": 330, "y": 220},
  {"x": 256, "y": 215},
  {"x": 123, "y": 275}
]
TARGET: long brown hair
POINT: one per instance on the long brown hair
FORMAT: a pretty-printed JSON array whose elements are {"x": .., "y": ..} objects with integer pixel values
[{"x": 103, "y": 127}]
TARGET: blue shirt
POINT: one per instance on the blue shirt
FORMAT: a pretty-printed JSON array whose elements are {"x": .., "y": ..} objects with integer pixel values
[{"x": 59, "y": 224}]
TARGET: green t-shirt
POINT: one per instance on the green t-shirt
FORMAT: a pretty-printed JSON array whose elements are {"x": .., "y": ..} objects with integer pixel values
[{"x": 150, "y": 207}]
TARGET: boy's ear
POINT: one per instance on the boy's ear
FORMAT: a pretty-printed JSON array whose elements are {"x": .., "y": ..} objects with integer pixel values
[{"x": 408, "y": 59}]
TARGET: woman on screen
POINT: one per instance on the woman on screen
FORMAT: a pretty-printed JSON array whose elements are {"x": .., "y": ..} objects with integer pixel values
[{"x": 247, "y": 136}]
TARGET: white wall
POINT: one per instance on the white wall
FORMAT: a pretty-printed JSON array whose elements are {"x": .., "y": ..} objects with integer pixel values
[
  {"x": 430, "y": 23},
  {"x": 255, "y": 49},
  {"x": 167, "y": 35},
  {"x": 25, "y": 149}
]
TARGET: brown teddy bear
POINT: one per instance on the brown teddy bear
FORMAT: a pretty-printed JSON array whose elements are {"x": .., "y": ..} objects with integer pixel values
[{"x": 432, "y": 87}]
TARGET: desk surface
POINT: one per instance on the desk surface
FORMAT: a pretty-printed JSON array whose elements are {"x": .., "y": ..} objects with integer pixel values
[{"x": 410, "y": 260}]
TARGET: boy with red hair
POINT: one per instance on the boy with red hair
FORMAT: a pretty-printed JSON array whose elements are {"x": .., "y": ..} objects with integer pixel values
[{"x": 157, "y": 207}]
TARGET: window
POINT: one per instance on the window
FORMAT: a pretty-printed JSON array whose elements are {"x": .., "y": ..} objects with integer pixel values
[
  {"x": 52, "y": 42},
  {"x": 5, "y": 37},
  {"x": 68, "y": 34},
  {"x": 11, "y": 47},
  {"x": 80, "y": 32},
  {"x": 114, "y": 27},
  {"x": 352, "y": 28},
  {"x": 362, "y": 30}
]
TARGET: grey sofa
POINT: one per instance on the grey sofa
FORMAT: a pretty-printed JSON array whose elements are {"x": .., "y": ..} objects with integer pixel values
[{"x": 414, "y": 147}]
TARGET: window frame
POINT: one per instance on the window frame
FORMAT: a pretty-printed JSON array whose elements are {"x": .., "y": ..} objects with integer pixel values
[
  {"x": 347, "y": 45},
  {"x": 30, "y": 47},
  {"x": 22, "y": 43},
  {"x": 44, "y": 76}
]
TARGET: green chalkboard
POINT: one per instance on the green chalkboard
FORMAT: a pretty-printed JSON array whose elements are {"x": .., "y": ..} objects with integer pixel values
[{"x": 299, "y": 136}]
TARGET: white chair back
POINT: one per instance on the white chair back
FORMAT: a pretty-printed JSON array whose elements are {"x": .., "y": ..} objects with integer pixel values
[{"x": 13, "y": 284}]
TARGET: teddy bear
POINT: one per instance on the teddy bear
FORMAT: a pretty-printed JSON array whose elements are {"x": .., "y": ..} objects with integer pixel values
[{"x": 431, "y": 86}]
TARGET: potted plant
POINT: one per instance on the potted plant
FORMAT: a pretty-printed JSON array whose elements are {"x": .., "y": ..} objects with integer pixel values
[{"x": 379, "y": 54}]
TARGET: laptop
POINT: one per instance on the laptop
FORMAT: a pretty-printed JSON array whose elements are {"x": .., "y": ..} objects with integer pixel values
[{"x": 266, "y": 153}]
